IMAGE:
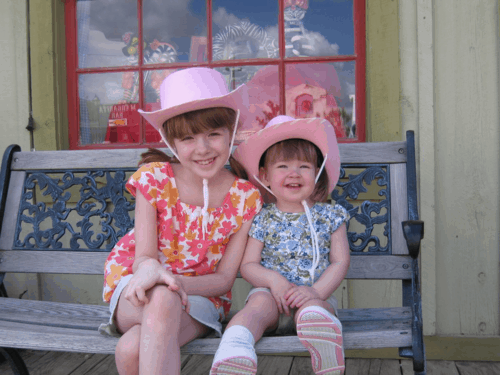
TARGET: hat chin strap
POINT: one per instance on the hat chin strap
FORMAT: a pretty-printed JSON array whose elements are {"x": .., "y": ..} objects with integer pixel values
[
  {"x": 204, "y": 210},
  {"x": 315, "y": 244}
]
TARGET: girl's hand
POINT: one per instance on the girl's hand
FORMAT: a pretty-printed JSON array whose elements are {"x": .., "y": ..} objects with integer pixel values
[
  {"x": 178, "y": 287},
  {"x": 279, "y": 288},
  {"x": 148, "y": 274},
  {"x": 298, "y": 295}
]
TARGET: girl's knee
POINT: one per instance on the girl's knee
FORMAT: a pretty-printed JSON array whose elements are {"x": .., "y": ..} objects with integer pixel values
[
  {"x": 262, "y": 302},
  {"x": 163, "y": 302}
]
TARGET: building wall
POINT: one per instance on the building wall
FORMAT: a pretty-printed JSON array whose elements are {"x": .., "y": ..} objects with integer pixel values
[
  {"x": 467, "y": 145},
  {"x": 432, "y": 66},
  {"x": 14, "y": 98}
]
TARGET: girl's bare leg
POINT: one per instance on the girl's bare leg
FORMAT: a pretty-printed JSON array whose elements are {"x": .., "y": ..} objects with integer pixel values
[
  {"x": 259, "y": 314},
  {"x": 153, "y": 330}
]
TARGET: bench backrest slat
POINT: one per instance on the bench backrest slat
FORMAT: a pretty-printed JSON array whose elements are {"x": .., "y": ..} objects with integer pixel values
[
  {"x": 380, "y": 152},
  {"x": 92, "y": 263},
  {"x": 399, "y": 207}
]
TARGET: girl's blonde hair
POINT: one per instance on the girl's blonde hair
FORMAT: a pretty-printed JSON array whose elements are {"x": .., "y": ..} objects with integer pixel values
[
  {"x": 192, "y": 123},
  {"x": 295, "y": 148}
]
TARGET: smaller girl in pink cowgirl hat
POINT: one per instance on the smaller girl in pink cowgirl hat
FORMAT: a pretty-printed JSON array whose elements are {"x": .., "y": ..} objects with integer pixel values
[
  {"x": 297, "y": 253},
  {"x": 169, "y": 280}
]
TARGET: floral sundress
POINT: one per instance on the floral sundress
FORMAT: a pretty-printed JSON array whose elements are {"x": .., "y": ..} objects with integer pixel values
[{"x": 182, "y": 247}]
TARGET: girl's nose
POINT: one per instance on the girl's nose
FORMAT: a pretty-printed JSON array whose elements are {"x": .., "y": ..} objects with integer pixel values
[{"x": 202, "y": 145}]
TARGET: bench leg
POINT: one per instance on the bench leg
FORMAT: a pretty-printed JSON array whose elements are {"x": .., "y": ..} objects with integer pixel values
[
  {"x": 412, "y": 297},
  {"x": 15, "y": 360},
  {"x": 3, "y": 291}
]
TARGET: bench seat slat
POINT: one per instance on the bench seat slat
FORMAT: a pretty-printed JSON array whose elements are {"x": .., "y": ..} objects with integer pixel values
[
  {"x": 359, "y": 332},
  {"x": 379, "y": 152},
  {"x": 92, "y": 263},
  {"x": 71, "y": 315}
]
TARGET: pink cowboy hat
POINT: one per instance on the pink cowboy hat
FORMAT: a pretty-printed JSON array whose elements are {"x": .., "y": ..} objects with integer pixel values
[
  {"x": 315, "y": 130},
  {"x": 192, "y": 89}
]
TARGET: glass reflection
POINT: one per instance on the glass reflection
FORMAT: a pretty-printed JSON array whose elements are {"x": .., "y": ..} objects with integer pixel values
[
  {"x": 174, "y": 31},
  {"x": 107, "y": 33},
  {"x": 106, "y": 116},
  {"x": 152, "y": 82},
  {"x": 318, "y": 28},
  {"x": 245, "y": 30},
  {"x": 322, "y": 90}
]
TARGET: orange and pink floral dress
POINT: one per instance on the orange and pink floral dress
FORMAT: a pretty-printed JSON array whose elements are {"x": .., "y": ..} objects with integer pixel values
[{"x": 182, "y": 248}]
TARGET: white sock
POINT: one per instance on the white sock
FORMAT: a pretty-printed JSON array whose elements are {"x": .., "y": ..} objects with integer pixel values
[{"x": 237, "y": 341}]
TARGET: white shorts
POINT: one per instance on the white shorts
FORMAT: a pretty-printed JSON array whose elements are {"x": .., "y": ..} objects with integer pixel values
[{"x": 202, "y": 309}]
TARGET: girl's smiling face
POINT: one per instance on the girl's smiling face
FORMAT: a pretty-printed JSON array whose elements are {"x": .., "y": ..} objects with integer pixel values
[
  {"x": 291, "y": 181},
  {"x": 205, "y": 153}
]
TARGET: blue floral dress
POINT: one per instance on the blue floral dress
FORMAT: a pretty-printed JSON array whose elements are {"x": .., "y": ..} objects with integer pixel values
[{"x": 288, "y": 243}]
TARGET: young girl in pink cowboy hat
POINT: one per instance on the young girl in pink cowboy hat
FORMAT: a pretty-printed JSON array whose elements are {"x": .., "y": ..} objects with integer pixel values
[
  {"x": 169, "y": 280},
  {"x": 297, "y": 253}
]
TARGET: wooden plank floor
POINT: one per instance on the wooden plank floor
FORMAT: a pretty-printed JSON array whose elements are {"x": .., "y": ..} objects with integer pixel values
[{"x": 57, "y": 363}]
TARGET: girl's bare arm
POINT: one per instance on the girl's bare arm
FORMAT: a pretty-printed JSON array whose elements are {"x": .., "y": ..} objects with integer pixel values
[{"x": 339, "y": 264}]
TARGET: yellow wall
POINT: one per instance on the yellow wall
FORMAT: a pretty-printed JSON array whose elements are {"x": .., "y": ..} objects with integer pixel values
[
  {"x": 467, "y": 135},
  {"x": 14, "y": 98}
]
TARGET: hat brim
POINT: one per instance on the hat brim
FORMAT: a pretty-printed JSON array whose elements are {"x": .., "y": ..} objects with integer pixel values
[
  {"x": 236, "y": 99},
  {"x": 317, "y": 131}
]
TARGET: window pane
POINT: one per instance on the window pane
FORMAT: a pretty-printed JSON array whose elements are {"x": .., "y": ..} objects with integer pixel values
[
  {"x": 244, "y": 29},
  {"x": 174, "y": 31},
  {"x": 322, "y": 90},
  {"x": 108, "y": 108},
  {"x": 107, "y": 33},
  {"x": 319, "y": 28},
  {"x": 152, "y": 81},
  {"x": 263, "y": 92}
]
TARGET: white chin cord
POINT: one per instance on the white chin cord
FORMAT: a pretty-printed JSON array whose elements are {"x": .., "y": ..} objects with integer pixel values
[{"x": 314, "y": 236}]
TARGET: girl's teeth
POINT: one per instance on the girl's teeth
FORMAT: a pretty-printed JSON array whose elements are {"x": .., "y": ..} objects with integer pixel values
[{"x": 205, "y": 162}]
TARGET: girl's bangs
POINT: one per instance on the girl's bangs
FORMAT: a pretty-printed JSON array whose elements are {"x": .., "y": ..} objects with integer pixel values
[
  {"x": 292, "y": 149},
  {"x": 199, "y": 121}
]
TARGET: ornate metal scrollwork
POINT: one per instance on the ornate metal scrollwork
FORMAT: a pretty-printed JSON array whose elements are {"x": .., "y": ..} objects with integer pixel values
[
  {"x": 364, "y": 213},
  {"x": 107, "y": 203}
]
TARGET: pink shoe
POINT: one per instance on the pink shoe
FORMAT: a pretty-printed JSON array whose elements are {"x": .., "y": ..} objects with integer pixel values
[
  {"x": 321, "y": 333},
  {"x": 234, "y": 366}
]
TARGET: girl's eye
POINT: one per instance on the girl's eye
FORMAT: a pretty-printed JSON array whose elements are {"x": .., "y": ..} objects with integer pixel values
[
  {"x": 305, "y": 166},
  {"x": 281, "y": 166},
  {"x": 187, "y": 138},
  {"x": 214, "y": 134}
]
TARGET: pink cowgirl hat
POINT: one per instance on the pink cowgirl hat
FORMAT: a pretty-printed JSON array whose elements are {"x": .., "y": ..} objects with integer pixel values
[
  {"x": 315, "y": 130},
  {"x": 192, "y": 89}
]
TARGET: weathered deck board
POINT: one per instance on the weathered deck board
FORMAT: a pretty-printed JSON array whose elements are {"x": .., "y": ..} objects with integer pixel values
[
  {"x": 273, "y": 364},
  {"x": 57, "y": 363},
  {"x": 300, "y": 366},
  {"x": 478, "y": 368},
  {"x": 442, "y": 368},
  {"x": 92, "y": 363}
]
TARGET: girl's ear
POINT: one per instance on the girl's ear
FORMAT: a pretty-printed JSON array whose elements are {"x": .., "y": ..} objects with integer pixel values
[{"x": 263, "y": 176}]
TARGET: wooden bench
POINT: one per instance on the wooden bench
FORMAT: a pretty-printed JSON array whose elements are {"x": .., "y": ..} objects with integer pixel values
[{"x": 62, "y": 212}]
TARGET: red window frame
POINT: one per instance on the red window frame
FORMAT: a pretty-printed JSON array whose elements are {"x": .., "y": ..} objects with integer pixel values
[{"x": 73, "y": 71}]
